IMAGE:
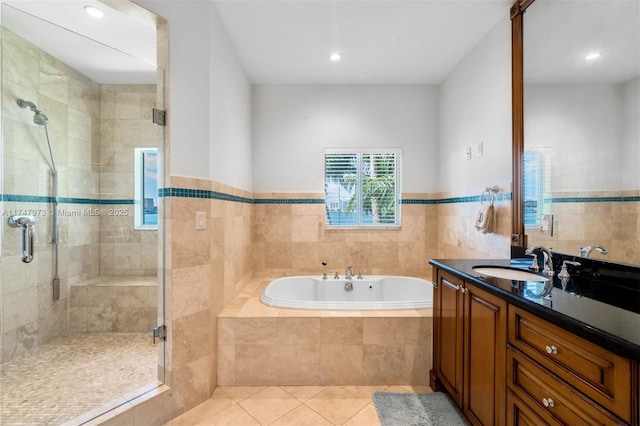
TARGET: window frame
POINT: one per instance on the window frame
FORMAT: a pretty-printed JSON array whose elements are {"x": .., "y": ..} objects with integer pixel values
[
  {"x": 543, "y": 184},
  {"x": 138, "y": 180},
  {"x": 360, "y": 153}
]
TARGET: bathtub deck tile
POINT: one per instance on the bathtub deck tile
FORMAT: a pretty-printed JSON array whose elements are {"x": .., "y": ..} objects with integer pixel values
[
  {"x": 337, "y": 352},
  {"x": 254, "y": 308}
]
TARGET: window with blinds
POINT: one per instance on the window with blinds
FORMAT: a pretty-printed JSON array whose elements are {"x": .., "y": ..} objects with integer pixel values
[
  {"x": 536, "y": 185},
  {"x": 362, "y": 187}
]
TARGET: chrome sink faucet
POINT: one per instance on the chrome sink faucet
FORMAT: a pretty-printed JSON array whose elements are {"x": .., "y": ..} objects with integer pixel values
[
  {"x": 585, "y": 251},
  {"x": 548, "y": 259}
]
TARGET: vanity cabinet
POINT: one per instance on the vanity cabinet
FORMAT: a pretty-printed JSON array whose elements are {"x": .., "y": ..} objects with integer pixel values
[
  {"x": 503, "y": 364},
  {"x": 565, "y": 377},
  {"x": 470, "y": 348}
]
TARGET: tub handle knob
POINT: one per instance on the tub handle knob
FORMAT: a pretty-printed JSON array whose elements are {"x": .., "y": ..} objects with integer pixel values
[{"x": 335, "y": 275}]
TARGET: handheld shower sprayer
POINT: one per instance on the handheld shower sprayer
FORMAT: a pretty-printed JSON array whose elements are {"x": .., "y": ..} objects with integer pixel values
[{"x": 39, "y": 118}]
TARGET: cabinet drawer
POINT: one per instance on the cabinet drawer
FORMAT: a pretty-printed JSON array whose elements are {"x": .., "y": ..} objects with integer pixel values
[
  {"x": 520, "y": 414},
  {"x": 550, "y": 397},
  {"x": 601, "y": 375}
]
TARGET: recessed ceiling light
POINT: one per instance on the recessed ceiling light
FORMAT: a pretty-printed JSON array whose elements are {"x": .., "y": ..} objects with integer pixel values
[
  {"x": 335, "y": 57},
  {"x": 593, "y": 55},
  {"x": 94, "y": 12}
]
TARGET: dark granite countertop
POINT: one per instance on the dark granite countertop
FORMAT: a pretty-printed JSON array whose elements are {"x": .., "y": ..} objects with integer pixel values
[{"x": 611, "y": 327}]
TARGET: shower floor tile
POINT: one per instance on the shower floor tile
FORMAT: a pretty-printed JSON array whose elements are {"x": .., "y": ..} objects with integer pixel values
[{"x": 75, "y": 374}]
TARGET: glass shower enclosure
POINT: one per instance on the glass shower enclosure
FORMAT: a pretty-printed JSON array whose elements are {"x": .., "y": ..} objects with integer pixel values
[{"x": 79, "y": 251}]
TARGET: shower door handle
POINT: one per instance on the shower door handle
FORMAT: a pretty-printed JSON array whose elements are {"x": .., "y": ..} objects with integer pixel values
[{"x": 27, "y": 226}]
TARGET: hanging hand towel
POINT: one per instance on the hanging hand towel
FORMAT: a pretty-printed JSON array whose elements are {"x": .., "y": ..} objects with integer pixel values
[{"x": 484, "y": 219}]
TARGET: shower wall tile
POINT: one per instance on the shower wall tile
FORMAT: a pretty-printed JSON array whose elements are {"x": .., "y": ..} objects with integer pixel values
[
  {"x": 21, "y": 60},
  {"x": 20, "y": 308},
  {"x": 124, "y": 127}
]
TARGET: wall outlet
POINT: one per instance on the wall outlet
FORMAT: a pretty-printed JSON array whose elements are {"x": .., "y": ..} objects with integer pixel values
[
  {"x": 480, "y": 149},
  {"x": 201, "y": 221},
  {"x": 468, "y": 153}
]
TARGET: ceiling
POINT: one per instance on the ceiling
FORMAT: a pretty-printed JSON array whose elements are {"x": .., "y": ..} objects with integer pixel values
[
  {"x": 558, "y": 36},
  {"x": 381, "y": 42}
]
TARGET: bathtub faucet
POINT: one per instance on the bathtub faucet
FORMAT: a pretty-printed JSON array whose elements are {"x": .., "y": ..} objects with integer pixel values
[{"x": 349, "y": 273}]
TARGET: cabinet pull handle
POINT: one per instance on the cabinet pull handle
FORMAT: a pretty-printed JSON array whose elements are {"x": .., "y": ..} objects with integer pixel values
[
  {"x": 548, "y": 402},
  {"x": 463, "y": 289},
  {"x": 552, "y": 350}
]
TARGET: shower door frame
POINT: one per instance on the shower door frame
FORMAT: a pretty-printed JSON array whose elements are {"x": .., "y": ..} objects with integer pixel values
[{"x": 162, "y": 48}]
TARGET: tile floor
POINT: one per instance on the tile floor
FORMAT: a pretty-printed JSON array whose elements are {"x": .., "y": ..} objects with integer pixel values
[{"x": 289, "y": 405}]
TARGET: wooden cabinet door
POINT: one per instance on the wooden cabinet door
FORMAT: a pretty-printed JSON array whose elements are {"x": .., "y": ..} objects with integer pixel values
[
  {"x": 485, "y": 342},
  {"x": 448, "y": 334}
]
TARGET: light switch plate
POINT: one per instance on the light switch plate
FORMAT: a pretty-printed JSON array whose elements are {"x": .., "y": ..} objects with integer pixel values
[
  {"x": 480, "y": 149},
  {"x": 201, "y": 221},
  {"x": 468, "y": 153}
]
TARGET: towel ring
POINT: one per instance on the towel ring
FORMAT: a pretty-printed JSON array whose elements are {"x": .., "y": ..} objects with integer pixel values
[{"x": 491, "y": 192}]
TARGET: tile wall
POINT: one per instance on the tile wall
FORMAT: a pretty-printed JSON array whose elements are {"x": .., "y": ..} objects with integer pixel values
[
  {"x": 93, "y": 130},
  {"x": 607, "y": 218},
  {"x": 205, "y": 269},
  {"x": 261, "y": 345},
  {"x": 291, "y": 239},
  {"x": 70, "y": 101},
  {"x": 264, "y": 235},
  {"x": 125, "y": 124},
  {"x": 456, "y": 234}
]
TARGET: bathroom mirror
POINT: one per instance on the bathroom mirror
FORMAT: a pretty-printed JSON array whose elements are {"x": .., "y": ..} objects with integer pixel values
[{"x": 576, "y": 136}]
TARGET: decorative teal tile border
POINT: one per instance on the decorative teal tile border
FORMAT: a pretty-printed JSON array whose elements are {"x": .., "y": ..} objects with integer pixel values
[
  {"x": 213, "y": 195},
  {"x": 592, "y": 199},
  {"x": 288, "y": 201},
  {"x": 503, "y": 196},
  {"x": 17, "y": 198}
]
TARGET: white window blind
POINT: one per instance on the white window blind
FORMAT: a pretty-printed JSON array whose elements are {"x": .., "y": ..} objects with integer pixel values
[
  {"x": 536, "y": 185},
  {"x": 362, "y": 187}
]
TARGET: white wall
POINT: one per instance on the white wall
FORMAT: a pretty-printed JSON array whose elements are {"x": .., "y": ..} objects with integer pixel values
[
  {"x": 292, "y": 125},
  {"x": 631, "y": 135},
  {"x": 475, "y": 106},
  {"x": 210, "y": 96},
  {"x": 583, "y": 126}
]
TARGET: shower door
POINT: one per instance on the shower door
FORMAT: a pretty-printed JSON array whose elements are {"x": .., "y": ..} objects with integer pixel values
[{"x": 81, "y": 268}]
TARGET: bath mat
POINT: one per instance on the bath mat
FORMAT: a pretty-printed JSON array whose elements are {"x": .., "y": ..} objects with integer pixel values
[{"x": 417, "y": 409}]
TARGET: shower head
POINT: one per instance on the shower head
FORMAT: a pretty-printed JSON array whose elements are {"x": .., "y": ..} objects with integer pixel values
[{"x": 39, "y": 118}]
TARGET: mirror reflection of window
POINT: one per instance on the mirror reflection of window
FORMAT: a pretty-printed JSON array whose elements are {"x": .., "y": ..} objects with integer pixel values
[
  {"x": 146, "y": 188},
  {"x": 537, "y": 185}
]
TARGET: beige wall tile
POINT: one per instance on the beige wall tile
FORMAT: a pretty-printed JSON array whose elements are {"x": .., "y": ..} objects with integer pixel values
[
  {"x": 383, "y": 364},
  {"x": 256, "y": 331},
  {"x": 348, "y": 371},
  {"x": 256, "y": 364},
  {"x": 343, "y": 331},
  {"x": 296, "y": 331},
  {"x": 299, "y": 364}
]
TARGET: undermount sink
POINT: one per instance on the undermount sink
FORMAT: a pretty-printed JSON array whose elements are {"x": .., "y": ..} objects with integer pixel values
[{"x": 509, "y": 273}]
